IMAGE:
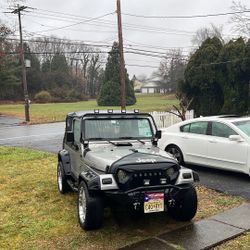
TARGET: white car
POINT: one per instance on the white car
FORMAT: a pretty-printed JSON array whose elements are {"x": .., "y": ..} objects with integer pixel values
[{"x": 218, "y": 141}]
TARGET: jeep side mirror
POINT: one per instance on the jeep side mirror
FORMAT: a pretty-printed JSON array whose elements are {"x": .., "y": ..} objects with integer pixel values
[
  {"x": 158, "y": 134},
  {"x": 85, "y": 144},
  {"x": 70, "y": 136}
]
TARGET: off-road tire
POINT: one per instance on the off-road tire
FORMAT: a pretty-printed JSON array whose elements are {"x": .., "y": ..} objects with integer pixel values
[
  {"x": 62, "y": 185},
  {"x": 185, "y": 208},
  {"x": 90, "y": 208},
  {"x": 176, "y": 152}
]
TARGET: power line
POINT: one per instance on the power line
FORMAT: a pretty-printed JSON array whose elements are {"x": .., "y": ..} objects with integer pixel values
[
  {"x": 102, "y": 22},
  {"x": 225, "y": 62},
  {"x": 59, "y": 42},
  {"x": 159, "y": 47},
  {"x": 126, "y": 27},
  {"x": 127, "y": 64},
  {"x": 188, "y": 16},
  {"x": 142, "y": 66},
  {"x": 67, "y": 26},
  {"x": 78, "y": 30},
  {"x": 67, "y": 42},
  {"x": 148, "y": 51},
  {"x": 87, "y": 42},
  {"x": 112, "y": 23},
  {"x": 105, "y": 52}
]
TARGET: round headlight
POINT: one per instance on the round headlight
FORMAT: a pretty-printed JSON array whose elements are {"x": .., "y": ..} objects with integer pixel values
[
  {"x": 170, "y": 171},
  {"x": 123, "y": 176}
]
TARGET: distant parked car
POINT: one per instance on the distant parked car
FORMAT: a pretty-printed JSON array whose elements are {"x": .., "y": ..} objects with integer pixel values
[{"x": 219, "y": 142}]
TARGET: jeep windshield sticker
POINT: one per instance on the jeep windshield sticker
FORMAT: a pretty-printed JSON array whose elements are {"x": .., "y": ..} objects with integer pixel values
[
  {"x": 139, "y": 160},
  {"x": 144, "y": 129}
]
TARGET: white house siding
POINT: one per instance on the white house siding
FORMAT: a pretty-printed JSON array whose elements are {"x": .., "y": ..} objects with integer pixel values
[{"x": 147, "y": 90}]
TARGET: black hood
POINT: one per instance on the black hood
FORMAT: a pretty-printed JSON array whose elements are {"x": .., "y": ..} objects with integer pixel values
[{"x": 142, "y": 161}]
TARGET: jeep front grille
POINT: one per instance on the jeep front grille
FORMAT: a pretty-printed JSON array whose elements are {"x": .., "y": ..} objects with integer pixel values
[{"x": 145, "y": 178}]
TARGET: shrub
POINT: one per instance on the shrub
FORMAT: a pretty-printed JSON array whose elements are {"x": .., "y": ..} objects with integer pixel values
[
  {"x": 43, "y": 97},
  {"x": 74, "y": 96}
]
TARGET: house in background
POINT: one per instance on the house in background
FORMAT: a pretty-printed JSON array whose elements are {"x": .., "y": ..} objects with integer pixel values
[
  {"x": 150, "y": 86},
  {"x": 137, "y": 85}
]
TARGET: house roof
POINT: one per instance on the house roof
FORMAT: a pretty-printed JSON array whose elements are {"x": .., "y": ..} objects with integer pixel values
[{"x": 150, "y": 85}]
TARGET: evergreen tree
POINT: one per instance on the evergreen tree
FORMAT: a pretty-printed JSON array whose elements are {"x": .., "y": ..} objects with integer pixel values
[
  {"x": 201, "y": 79},
  {"x": 235, "y": 76},
  {"x": 9, "y": 67},
  {"x": 110, "y": 90},
  {"x": 246, "y": 68},
  {"x": 33, "y": 73},
  {"x": 217, "y": 78},
  {"x": 59, "y": 63},
  {"x": 46, "y": 67}
]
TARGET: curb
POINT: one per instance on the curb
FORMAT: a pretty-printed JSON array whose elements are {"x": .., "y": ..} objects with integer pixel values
[{"x": 203, "y": 234}]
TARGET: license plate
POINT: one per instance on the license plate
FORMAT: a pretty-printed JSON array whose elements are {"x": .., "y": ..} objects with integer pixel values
[{"x": 153, "y": 202}]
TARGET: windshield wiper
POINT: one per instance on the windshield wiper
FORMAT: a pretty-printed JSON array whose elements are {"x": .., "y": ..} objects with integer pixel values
[
  {"x": 131, "y": 138},
  {"x": 102, "y": 139},
  {"x": 96, "y": 138},
  {"x": 113, "y": 143}
]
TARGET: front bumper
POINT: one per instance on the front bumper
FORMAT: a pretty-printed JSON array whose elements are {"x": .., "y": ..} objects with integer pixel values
[{"x": 135, "y": 198}]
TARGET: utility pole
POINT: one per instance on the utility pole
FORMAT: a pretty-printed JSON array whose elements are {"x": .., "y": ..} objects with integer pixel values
[
  {"x": 122, "y": 64},
  {"x": 18, "y": 11}
]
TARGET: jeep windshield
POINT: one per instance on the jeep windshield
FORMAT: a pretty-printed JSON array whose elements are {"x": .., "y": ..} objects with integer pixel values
[{"x": 118, "y": 129}]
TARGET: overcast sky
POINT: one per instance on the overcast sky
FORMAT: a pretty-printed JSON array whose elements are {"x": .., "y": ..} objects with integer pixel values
[{"x": 173, "y": 32}]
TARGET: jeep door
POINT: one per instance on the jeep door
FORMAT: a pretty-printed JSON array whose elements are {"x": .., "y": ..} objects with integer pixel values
[{"x": 75, "y": 149}]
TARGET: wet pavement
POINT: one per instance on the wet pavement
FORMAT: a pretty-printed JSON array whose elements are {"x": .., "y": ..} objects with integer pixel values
[
  {"x": 203, "y": 234},
  {"x": 6, "y": 121},
  {"x": 46, "y": 137},
  {"x": 232, "y": 183}
]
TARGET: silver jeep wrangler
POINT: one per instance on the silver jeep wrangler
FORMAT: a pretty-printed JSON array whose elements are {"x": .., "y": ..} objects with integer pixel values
[{"x": 113, "y": 155}]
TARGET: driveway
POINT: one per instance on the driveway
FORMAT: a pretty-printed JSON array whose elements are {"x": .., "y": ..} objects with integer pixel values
[{"x": 48, "y": 137}]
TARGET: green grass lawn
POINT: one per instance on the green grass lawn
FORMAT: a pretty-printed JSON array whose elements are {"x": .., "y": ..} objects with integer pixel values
[
  {"x": 42, "y": 113},
  {"x": 34, "y": 215},
  {"x": 241, "y": 242}
]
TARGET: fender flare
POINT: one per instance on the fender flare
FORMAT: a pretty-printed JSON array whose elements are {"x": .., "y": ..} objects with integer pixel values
[
  {"x": 92, "y": 181},
  {"x": 64, "y": 157}
]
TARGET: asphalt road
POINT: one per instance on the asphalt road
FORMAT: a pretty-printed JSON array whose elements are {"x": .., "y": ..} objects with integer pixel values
[{"x": 48, "y": 137}]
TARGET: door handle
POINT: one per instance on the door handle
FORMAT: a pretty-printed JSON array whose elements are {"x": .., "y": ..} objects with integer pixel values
[
  {"x": 212, "y": 141},
  {"x": 184, "y": 137}
]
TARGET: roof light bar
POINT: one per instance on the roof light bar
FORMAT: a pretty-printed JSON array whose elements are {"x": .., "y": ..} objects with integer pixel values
[
  {"x": 96, "y": 111},
  {"x": 123, "y": 111},
  {"x": 136, "y": 110},
  {"x": 110, "y": 111}
]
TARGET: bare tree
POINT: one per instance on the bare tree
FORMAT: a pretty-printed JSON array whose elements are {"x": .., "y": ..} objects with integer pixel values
[
  {"x": 171, "y": 70},
  {"x": 184, "y": 103},
  {"x": 93, "y": 73},
  {"x": 241, "y": 20},
  {"x": 203, "y": 33}
]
